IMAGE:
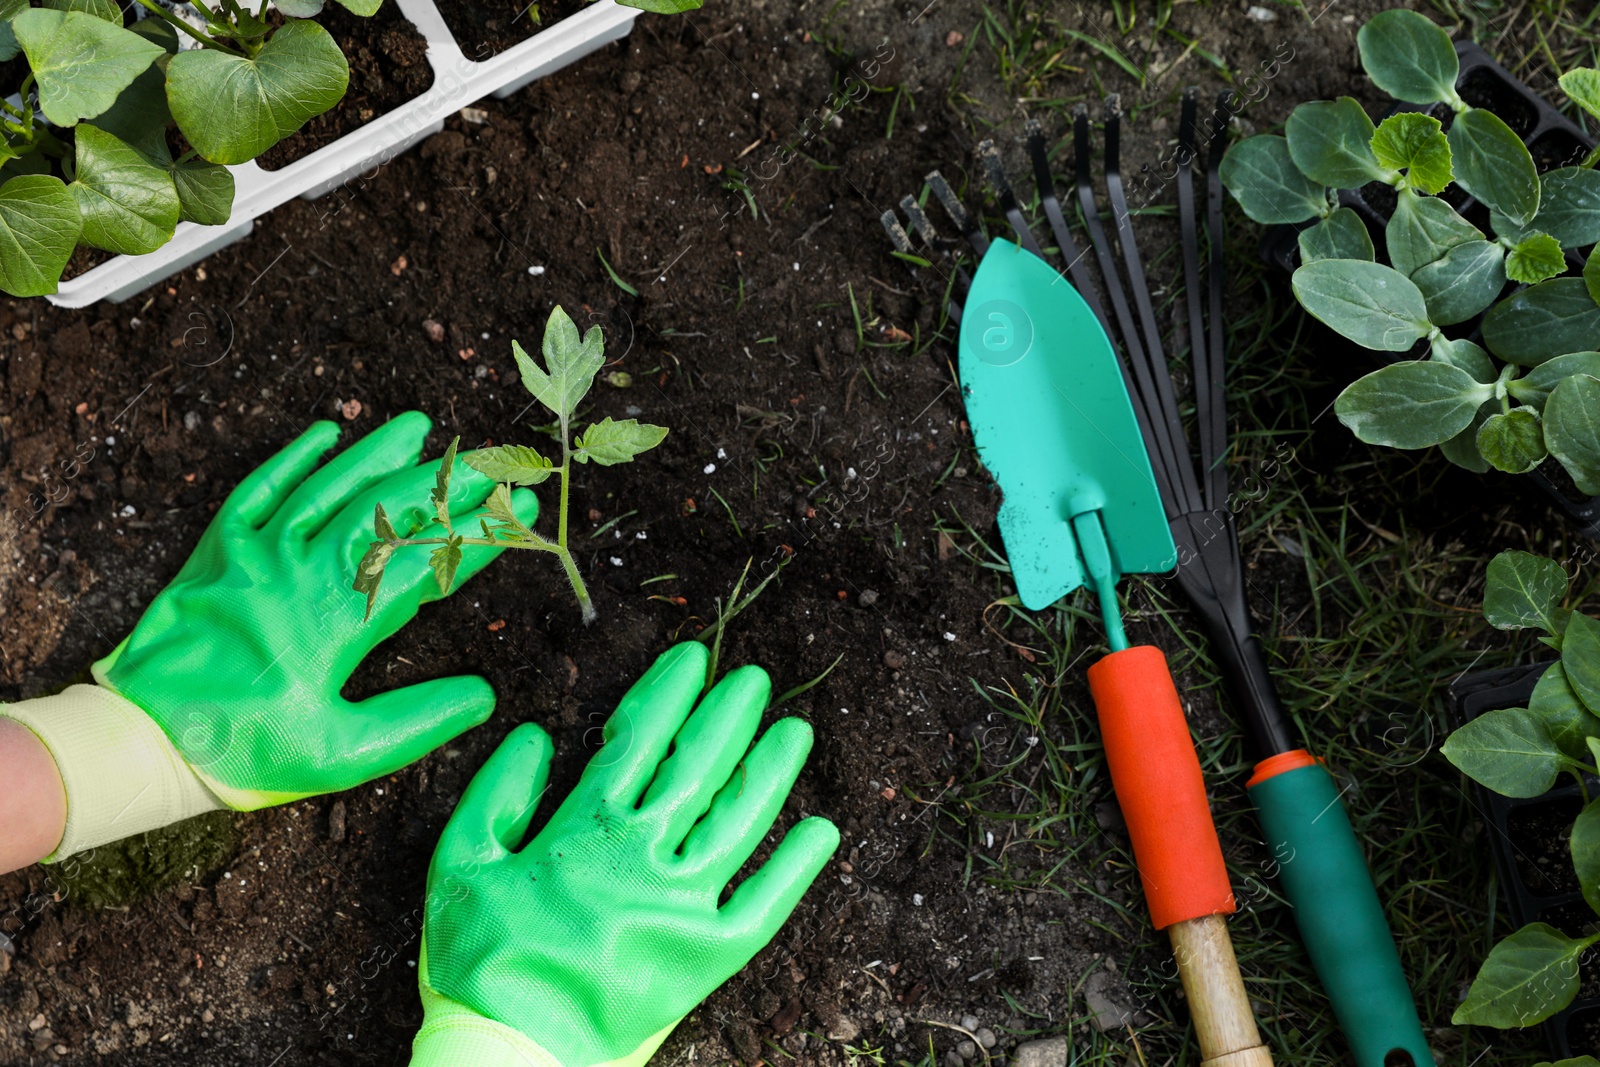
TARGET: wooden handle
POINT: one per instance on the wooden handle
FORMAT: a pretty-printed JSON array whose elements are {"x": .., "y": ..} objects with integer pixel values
[{"x": 1218, "y": 1005}]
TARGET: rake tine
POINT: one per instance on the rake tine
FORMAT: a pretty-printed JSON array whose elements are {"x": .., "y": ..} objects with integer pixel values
[
  {"x": 1217, "y": 276},
  {"x": 958, "y": 214},
  {"x": 996, "y": 172},
  {"x": 1077, "y": 262},
  {"x": 1169, "y": 460},
  {"x": 1211, "y": 423},
  {"x": 1166, "y": 401},
  {"x": 902, "y": 244}
]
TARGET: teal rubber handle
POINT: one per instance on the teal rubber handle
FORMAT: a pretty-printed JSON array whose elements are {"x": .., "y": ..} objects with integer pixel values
[{"x": 1324, "y": 874}]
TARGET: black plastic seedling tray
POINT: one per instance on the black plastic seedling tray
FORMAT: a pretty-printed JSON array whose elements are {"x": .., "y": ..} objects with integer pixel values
[
  {"x": 1535, "y": 891},
  {"x": 1554, "y": 140}
]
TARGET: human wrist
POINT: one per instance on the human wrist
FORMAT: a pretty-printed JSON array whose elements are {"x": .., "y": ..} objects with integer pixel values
[
  {"x": 33, "y": 804},
  {"x": 120, "y": 772}
]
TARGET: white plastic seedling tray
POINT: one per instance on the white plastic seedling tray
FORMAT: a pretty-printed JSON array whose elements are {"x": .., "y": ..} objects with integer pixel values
[{"x": 457, "y": 83}]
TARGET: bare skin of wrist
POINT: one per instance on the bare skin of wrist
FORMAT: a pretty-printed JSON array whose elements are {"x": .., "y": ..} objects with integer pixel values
[{"x": 33, "y": 802}]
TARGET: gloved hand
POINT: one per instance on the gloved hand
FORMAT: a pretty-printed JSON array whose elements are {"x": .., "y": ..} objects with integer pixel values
[
  {"x": 587, "y": 946},
  {"x": 227, "y": 693}
]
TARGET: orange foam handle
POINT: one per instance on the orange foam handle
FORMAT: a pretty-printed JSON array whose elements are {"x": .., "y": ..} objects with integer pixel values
[{"x": 1157, "y": 777}]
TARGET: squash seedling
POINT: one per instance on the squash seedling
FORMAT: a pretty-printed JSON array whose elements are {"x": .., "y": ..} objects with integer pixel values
[
  {"x": 572, "y": 363},
  {"x": 1532, "y": 388},
  {"x": 85, "y": 156},
  {"x": 1520, "y": 752}
]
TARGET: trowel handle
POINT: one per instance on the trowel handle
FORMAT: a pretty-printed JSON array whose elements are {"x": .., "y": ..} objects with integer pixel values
[
  {"x": 1323, "y": 873},
  {"x": 1156, "y": 775}
]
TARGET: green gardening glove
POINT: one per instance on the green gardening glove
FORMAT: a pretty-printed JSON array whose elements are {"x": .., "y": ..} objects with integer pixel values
[
  {"x": 587, "y": 946},
  {"x": 227, "y": 693}
]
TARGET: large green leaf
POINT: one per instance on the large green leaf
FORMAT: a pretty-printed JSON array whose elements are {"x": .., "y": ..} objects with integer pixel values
[
  {"x": 1508, "y": 751},
  {"x": 1342, "y": 235},
  {"x": 108, "y": 10},
  {"x": 1569, "y": 206},
  {"x": 1527, "y": 978},
  {"x": 1585, "y": 848},
  {"x": 1261, "y": 175},
  {"x": 1513, "y": 441},
  {"x": 232, "y": 109},
  {"x": 9, "y": 9},
  {"x": 1462, "y": 449},
  {"x": 205, "y": 191},
  {"x": 1535, "y": 258},
  {"x": 128, "y": 204},
  {"x": 365, "y": 8},
  {"x": 39, "y": 227},
  {"x": 1580, "y": 658},
  {"x": 663, "y": 7},
  {"x": 1415, "y": 143},
  {"x": 1534, "y": 387},
  {"x": 1493, "y": 164},
  {"x": 80, "y": 62},
  {"x": 1412, "y": 404},
  {"x": 514, "y": 464},
  {"x": 572, "y": 361},
  {"x": 1409, "y": 57},
  {"x": 1463, "y": 282},
  {"x": 1523, "y": 591},
  {"x": 1568, "y": 722},
  {"x": 1422, "y": 229},
  {"x": 1591, "y": 274},
  {"x": 1582, "y": 86},
  {"x": 1572, "y": 430},
  {"x": 1373, "y": 305},
  {"x": 140, "y": 115},
  {"x": 1542, "y": 322},
  {"x": 1330, "y": 142},
  {"x": 1468, "y": 356}
]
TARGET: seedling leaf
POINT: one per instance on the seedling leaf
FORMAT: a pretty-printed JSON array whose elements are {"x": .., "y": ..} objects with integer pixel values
[
  {"x": 382, "y": 526},
  {"x": 100, "y": 9},
  {"x": 1462, "y": 282},
  {"x": 1371, "y": 304},
  {"x": 233, "y": 108},
  {"x": 1422, "y": 229},
  {"x": 1585, "y": 849},
  {"x": 1507, "y": 750},
  {"x": 128, "y": 204},
  {"x": 1493, "y": 164},
  {"x": 441, "y": 483},
  {"x": 1569, "y": 208},
  {"x": 1572, "y": 430},
  {"x": 80, "y": 62},
  {"x": 573, "y": 363},
  {"x": 1342, "y": 235},
  {"x": 1412, "y": 404},
  {"x": 1513, "y": 441},
  {"x": 1527, "y": 978},
  {"x": 39, "y": 225},
  {"x": 1462, "y": 449},
  {"x": 1591, "y": 274},
  {"x": 499, "y": 508},
  {"x": 1569, "y": 724},
  {"x": 1468, "y": 356},
  {"x": 517, "y": 464},
  {"x": 369, "y": 572},
  {"x": 205, "y": 191},
  {"x": 1409, "y": 57},
  {"x": 1415, "y": 143},
  {"x": 608, "y": 442},
  {"x": 1522, "y": 591},
  {"x": 444, "y": 560},
  {"x": 1535, "y": 258},
  {"x": 1580, "y": 658},
  {"x": 1534, "y": 387},
  {"x": 1262, "y": 177},
  {"x": 1330, "y": 141},
  {"x": 1582, "y": 86},
  {"x": 1542, "y": 322},
  {"x": 663, "y": 7}
]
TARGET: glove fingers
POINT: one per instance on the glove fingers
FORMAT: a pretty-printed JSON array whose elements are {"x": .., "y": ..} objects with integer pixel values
[
  {"x": 392, "y": 447},
  {"x": 707, "y": 751},
  {"x": 640, "y": 731},
  {"x": 384, "y": 733},
  {"x": 255, "y": 499},
  {"x": 763, "y": 902},
  {"x": 405, "y": 499},
  {"x": 747, "y": 806},
  {"x": 498, "y": 805}
]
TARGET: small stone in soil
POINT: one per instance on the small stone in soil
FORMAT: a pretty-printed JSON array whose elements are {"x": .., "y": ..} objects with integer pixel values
[
  {"x": 1050, "y": 1052},
  {"x": 434, "y": 329},
  {"x": 986, "y": 1037},
  {"x": 893, "y": 660},
  {"x": 968, "y": 1050},
  {"x": 868, "y": 597},
  {"x": 336, "y": 816},
  {"x": 970, "y": 1022}
]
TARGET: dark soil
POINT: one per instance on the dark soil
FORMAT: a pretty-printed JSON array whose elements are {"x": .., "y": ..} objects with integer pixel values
[
  {"x": 485, "y": 28},
  {"x": 1539, "y": 835},
  {"x": 124, "y": 426},
  {"x": 388, "y": 66}
]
